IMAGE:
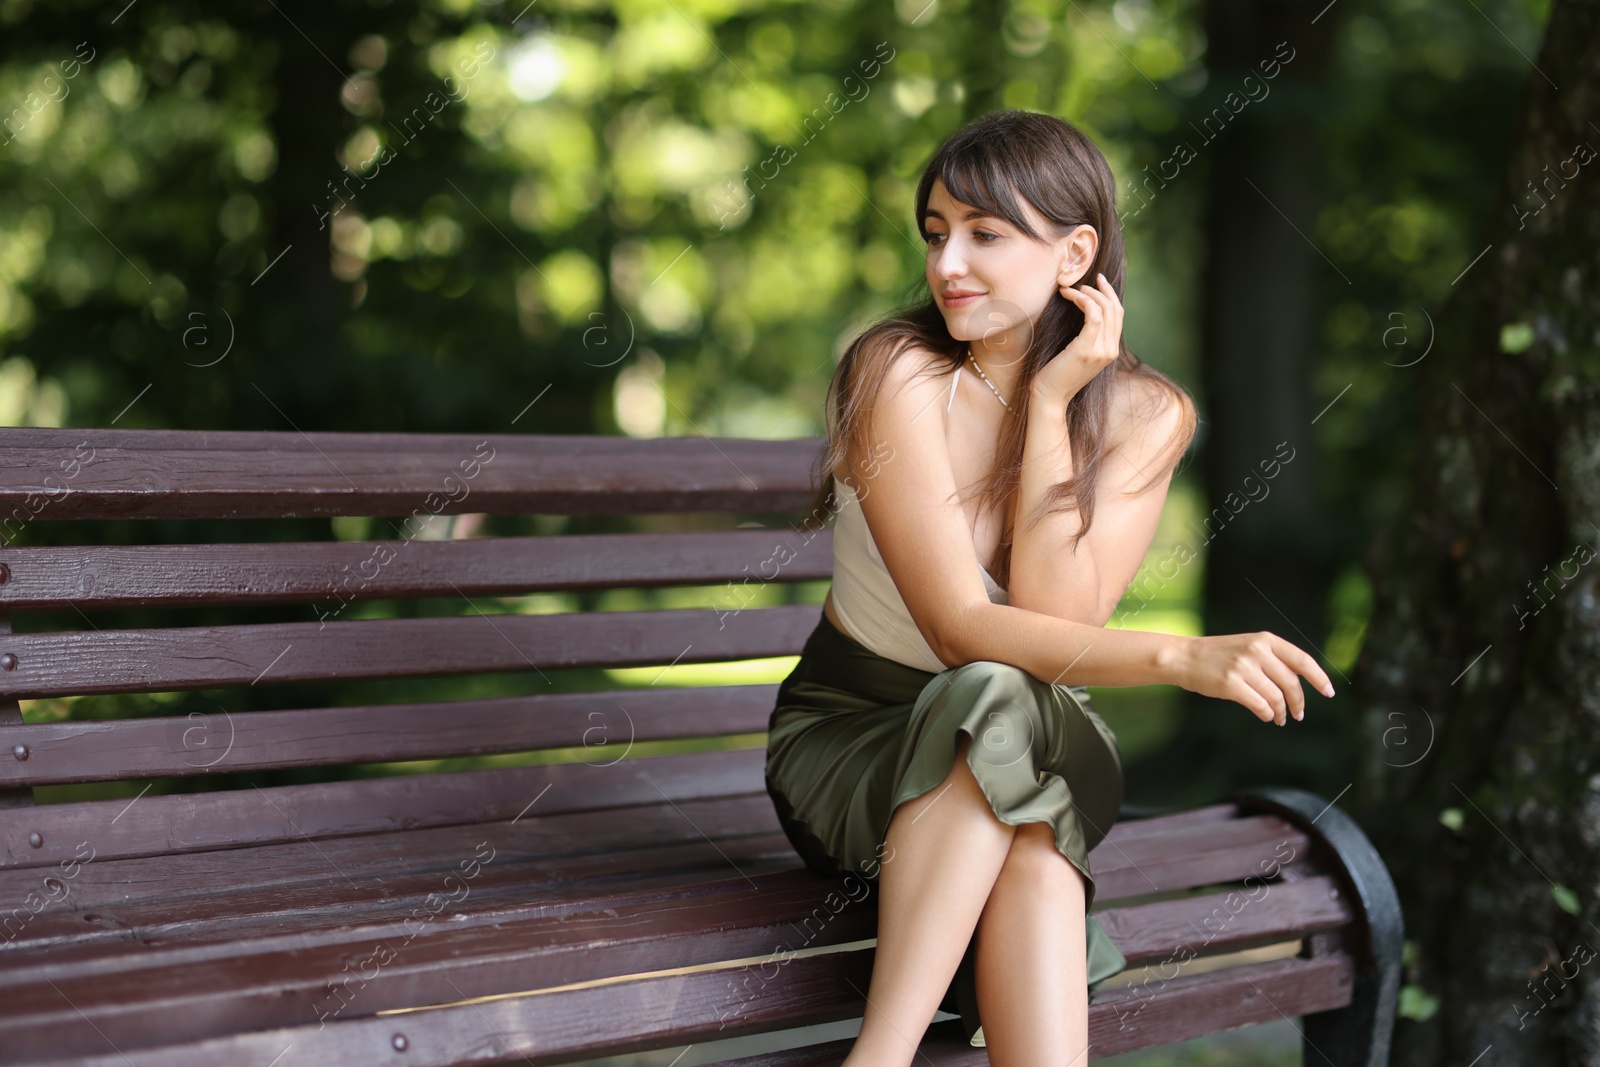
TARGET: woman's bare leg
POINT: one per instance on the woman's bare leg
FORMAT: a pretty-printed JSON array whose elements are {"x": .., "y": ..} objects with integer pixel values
[
  {"x": 1031, "y": 966},
  {"x": 945, "y": 850}
]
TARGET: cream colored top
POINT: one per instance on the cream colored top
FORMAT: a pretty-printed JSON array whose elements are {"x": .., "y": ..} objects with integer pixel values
[{"x": 864, "y": 594}]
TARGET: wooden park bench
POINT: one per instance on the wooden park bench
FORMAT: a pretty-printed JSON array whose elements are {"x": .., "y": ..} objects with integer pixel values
[{"x": 217, "y": 873}]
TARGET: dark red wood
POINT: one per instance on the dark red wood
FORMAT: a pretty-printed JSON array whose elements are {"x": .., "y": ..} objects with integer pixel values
[
  {"x": 127, "y": 937},
  {"x": 249, "y": 887},
  {"x": 1257, "y": 994},
  {"x": 1159, "y": 863},
  {"x": 215, "y": 926},
  {"x": 282, "y": 981},
  {"x": 669, "y": 1010},
  {"x": 537, "y": 945},
  {"x": 10, "y": 718},
  {"x": 104, "y": 474},
  {"x": 176, "y": 938},
  {"x": 608, "y": 722},
  {"x": 542, "y": 837},
  {"x": 191, "y": 822},
  {"x": 78, "y": 662},
  {"x": 328, "y": 575}
]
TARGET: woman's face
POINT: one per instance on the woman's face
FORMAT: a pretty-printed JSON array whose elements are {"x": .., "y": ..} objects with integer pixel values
[{"x": 991, "y": 281}]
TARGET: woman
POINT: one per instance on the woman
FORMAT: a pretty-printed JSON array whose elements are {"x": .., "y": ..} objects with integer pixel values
[{"x": 935, "y": 737}]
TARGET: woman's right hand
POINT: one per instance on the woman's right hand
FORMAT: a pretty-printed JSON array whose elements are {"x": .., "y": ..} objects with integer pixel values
[{"x": 1261, "y": 671}]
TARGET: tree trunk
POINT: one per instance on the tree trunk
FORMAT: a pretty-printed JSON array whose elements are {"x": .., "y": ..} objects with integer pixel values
[
  {"x": 1480, "y": 675},
  {"x": 1268, "y": 559}
]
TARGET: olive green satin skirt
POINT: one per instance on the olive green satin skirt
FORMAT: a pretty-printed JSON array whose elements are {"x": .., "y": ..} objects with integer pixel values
[{"x": 853, "y": 735}]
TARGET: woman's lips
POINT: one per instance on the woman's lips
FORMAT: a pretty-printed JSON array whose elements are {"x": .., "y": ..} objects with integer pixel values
[{"x": 960, "y": 301}]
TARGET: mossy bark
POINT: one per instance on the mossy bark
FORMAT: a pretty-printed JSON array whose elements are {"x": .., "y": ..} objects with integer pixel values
[{"x": 1480, "y": 674}]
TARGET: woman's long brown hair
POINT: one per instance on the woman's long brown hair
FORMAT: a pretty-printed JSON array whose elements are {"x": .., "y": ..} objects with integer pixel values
[{"x": 994, "y": 163}]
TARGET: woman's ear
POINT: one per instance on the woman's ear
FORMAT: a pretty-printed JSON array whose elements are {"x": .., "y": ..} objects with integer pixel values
[{"x": 1078, "y": 251}]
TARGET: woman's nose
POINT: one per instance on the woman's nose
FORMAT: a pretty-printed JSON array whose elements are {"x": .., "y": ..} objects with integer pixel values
[{"x": 949, "y": 263}]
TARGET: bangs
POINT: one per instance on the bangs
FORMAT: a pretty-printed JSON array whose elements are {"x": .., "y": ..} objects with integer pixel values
[{"x": 974, "y": 175}]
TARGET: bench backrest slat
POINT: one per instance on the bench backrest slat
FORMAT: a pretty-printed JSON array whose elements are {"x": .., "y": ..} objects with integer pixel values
[
  {"x": 223, "y": 742},
  {"x": 100, "y": 474},
  {"x": 329, "y": 575},
  {"x": 187, "y": 822},
  {"x": 81, "y": 662}
]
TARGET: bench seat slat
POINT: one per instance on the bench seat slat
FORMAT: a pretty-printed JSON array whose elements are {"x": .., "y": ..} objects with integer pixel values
[
  {"x": 601, "y": 937},
  {"x": 328, "y": 574},
  {"x": 1168, "y": 933},
  {"x": 306, "y": 886},
  {"x": 538, "y": 946},
  {"x": 607, "y": 722},
  {"x": 338, "y": 908},
  {"x": 1181, "y": 859},
  {"x": 80, "y": 662},
  {"x": 206, "y": 474},
  {"x": 544, "y": 835},
  {"x": 706, "y": 1005},
  {"x": 192, "y": 822},
  {"x": 304, "y": 918},
  {"x": 1186, "y": 1008}
]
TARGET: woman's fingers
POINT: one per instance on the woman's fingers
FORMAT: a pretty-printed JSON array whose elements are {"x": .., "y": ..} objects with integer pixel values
[
  {"x": 1093, "y": 310},
  {"x": 1269, "y": 692},
  {"x": 1287, "y": 683},
  {"x": 1110, "y": 308},
  {"x": 1112, "y": 300},
  {"x": 1301, "y": 663},
  {"x": 1241, "y": 691},
  {"x": 1092, "y": 333},
  {"x": 1102, "y": 315},
  {"x": 1260, "y": 671}
]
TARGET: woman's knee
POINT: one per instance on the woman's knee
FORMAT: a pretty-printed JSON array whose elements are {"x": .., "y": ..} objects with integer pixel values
[{"x": 989, "y": 668}]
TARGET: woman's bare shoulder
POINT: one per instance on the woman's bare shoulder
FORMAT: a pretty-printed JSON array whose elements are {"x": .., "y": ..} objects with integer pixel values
[
  {"x": 1147, "y": 418},
  {"x": 911, "y": 364},
  {"x": 905, "y": 378}
]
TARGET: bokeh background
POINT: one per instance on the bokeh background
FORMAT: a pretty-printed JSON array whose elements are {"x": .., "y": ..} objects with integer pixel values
[{"x": 668, "y": 217}]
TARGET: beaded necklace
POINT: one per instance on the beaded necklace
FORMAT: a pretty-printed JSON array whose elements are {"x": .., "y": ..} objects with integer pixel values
[{"x": 985, "y": 378}]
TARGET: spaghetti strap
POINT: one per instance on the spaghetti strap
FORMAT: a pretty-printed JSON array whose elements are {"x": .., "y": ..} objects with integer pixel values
[{"x": 953, "y": 382}]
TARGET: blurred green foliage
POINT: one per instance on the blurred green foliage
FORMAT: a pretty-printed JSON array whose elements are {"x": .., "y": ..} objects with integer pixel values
[{"x": 662, "y": 217}]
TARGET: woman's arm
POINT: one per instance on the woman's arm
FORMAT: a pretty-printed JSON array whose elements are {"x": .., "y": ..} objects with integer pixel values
[
  {"x": 912, "y": 509},
  {"x": 1048, "y": 574},
  {"x": 1260, "y": 671},
  {"x": 1064, "y": 651},
  {"x": 1085, "y": 583}
]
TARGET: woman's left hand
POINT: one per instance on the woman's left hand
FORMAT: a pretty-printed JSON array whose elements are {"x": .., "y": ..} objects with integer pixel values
[{"x": 1095, "y": 347}]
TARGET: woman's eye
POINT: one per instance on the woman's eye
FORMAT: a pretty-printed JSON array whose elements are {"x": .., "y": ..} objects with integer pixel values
[{"x": 986, "y": 233}]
